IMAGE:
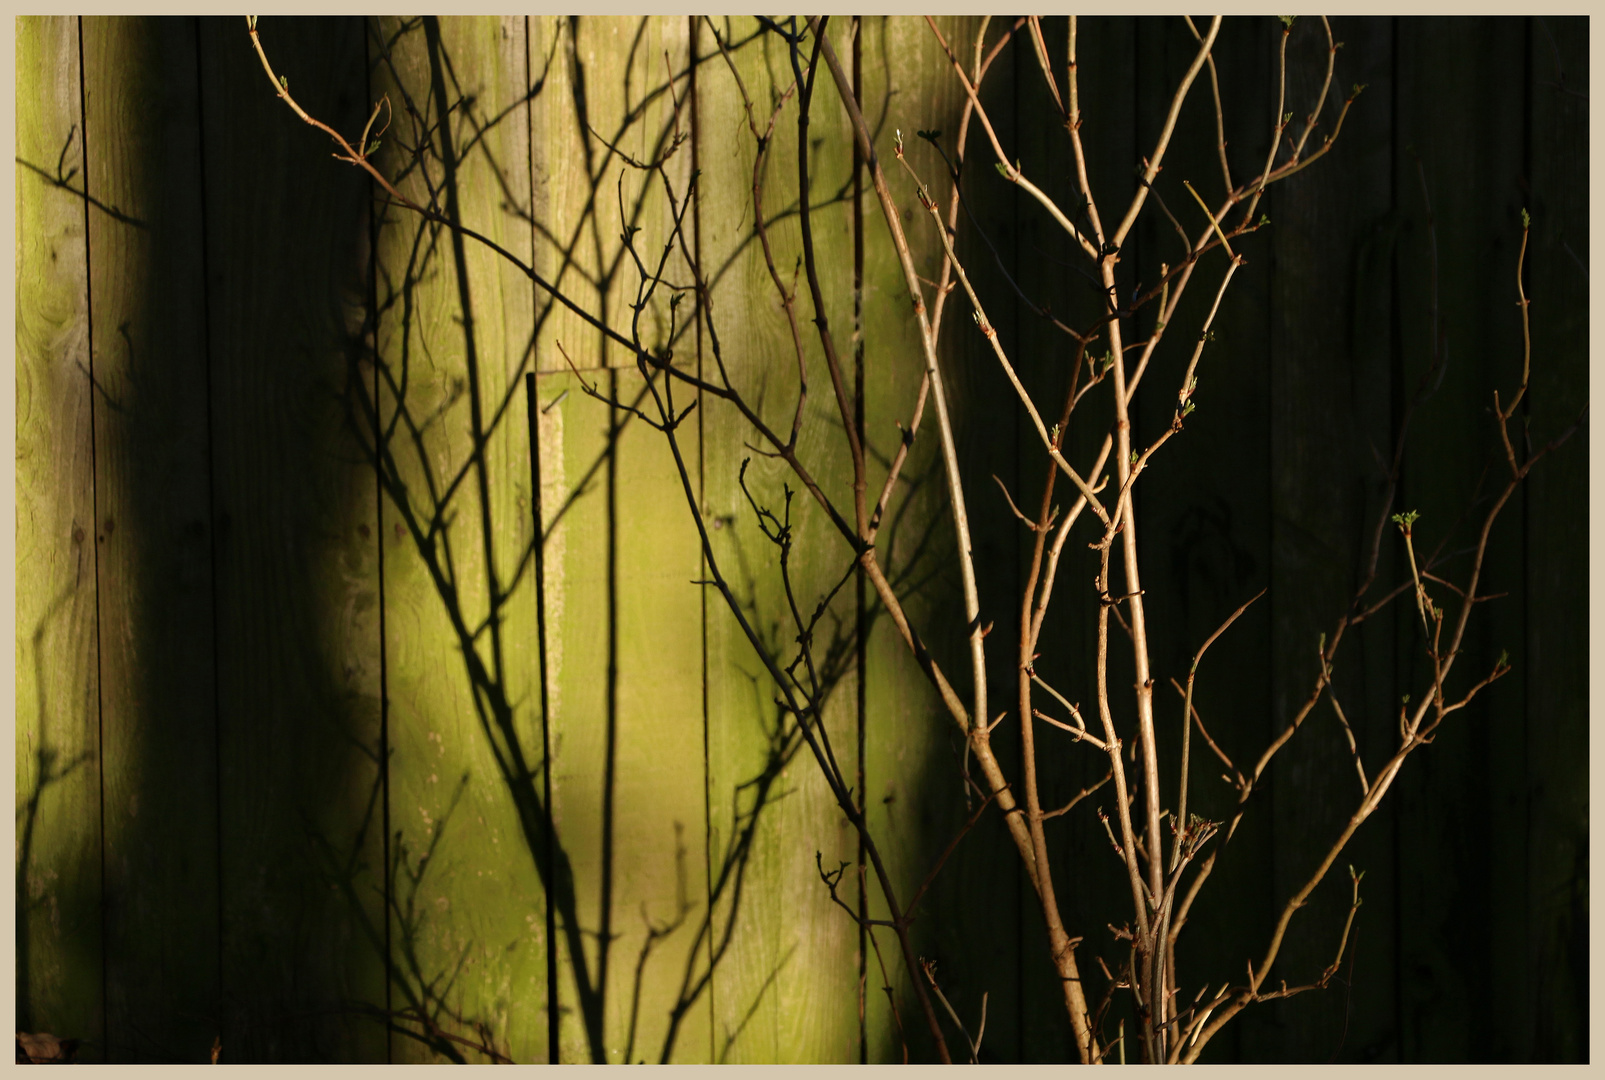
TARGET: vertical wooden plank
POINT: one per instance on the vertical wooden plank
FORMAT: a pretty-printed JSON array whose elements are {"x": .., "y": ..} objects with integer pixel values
[
  {"x": 577, "y": 578},
  {"x": 1324, "y": 404},
  {"x": 787, "y": 989},
  {"x": 1467, "y": 131},
  {"x": 59, "y": 943},
  {"x": 296, "y": 551},
  {"x": 154, "y": 502},
  {"x": 1001, "y": 938},
  {"x": 749, "y": 748},
  {"x": 1205, "y": 538},
  {"x": 1556, "y": 618},
  {"x": 468, "y": 925},
  {"x": 791, "y": 993},
  {"x": 1050, "y": 267},
  {"x": 913, "y": 750},
  {"x": 1364, "y": 1028},
  {"x": 987, "y": 944},
  {"x": 628, "y": 768},
  {"x": 969, "y": 925},
  {"x": 657, "y": 771}
]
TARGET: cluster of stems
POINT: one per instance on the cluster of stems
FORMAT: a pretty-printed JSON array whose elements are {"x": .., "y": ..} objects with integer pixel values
[{"x": 1174, "y": 1022}]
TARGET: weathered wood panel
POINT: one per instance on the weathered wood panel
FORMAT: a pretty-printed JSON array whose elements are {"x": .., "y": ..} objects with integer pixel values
[
  {"x": 468, "y": 925},
  {"x": 778, "y": 994},
  {"x": 59, "y": 935},
  {"x": 628, "y": 739},
  {"x": 152, "y": 484},
  {"x": 976, "y": 943},
  {"x": 981, "y": 951},
  {"x": 296, "y": 555}
]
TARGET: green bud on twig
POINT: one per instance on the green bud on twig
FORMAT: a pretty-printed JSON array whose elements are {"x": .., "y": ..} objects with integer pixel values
[
  {"x": 284, "y": 83},
  {"x": 1406, "y": 519},
  {"x": 1526, "y": 221},
  {"x": 250, "y": 22},
  {"x": 373, "y": 148},
  {"x": 1287, "y": 21}
]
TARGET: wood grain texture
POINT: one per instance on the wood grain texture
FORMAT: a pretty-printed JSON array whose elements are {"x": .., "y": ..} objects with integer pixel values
[
  {"x": 626, "y": 717},
  {"x": 159, "y": 722},
  {"x": 296, "y": 553},
  {"x": 779, "y": 991},
  {"x": 468, "y": 922},
  {"x": 153, "y": 496},
  {"x": 59, "y": 892},
  {"x": 913, "y": 749}
]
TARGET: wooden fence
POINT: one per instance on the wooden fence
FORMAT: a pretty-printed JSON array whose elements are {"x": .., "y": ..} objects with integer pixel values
[{"x": 288, "y": 747}]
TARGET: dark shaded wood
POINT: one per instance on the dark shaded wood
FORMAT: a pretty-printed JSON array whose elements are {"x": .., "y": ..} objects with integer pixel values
[
  {"x": 1328, "y": 396},
  {"x": 158, "y": 701},
  {"x": 1554, "y": 863},
  {"x": 303, "y": 881},
  {"x": 1205, "y": 537},
  {"x": 1466, "y": 131}
]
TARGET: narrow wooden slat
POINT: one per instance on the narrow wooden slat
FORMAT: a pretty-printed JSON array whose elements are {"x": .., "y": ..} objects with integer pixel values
[
  {"x": 623, "y": 611},
  {"x": 576, "y": 576},
  {"x": 1468, "y": 134},
  {"x": 296, "y": 551},
  {"x": 60, "y": 950},
  {"x": 913, "y": 749},
  {"x": 1364, "y": 1028},
  {"x": 1328, "y": 396},
  {"x": 468, "y": 921},
  {"x": 787, "y": 988},
  {"x": 1556, "y": 618},
  {"x": 154, "y": 501},
  {"x": 990, "y": 919},
  {"x": 1205, "y": 536}
]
